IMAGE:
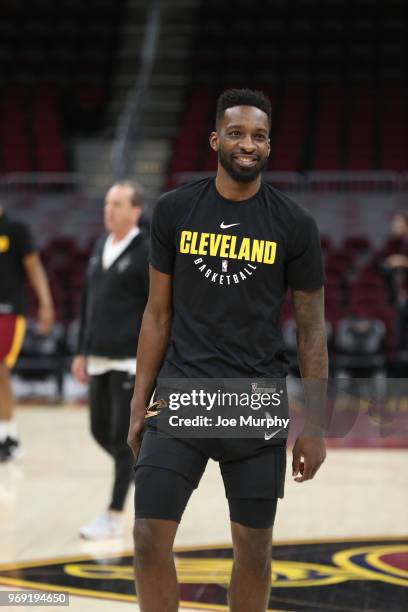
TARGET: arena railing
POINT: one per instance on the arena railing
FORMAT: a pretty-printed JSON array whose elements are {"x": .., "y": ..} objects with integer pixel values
[
  {"x": 313, "y": 182},
  {"x": 39, "y": 182},
  {"x": 331, "y": 181}
]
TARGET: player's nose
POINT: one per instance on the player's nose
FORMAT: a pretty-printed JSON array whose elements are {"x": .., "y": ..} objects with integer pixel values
[{"x": 247, "y": 144}]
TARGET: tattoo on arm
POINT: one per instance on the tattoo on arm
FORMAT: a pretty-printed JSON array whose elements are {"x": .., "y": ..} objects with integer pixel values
[
  {"x": 312, "y": 356},
  {"x": 311, "y": 333}
]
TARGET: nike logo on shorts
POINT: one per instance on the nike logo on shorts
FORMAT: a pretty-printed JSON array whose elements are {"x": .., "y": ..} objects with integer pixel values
[
  {"x": 269, "y": 436},
  {"x": 223, "y": 226}
]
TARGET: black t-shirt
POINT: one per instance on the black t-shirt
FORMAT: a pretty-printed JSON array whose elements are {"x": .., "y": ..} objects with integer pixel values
[
  {"x": 15, "y": 243},
  {"x": 232, "y": 263}
]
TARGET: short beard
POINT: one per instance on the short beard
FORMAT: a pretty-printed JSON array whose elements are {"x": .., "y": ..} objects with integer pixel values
[{"x": 242, "y": 175}]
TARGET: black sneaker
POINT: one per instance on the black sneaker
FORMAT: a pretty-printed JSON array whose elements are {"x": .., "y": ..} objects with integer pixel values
[
  {"x": 9, "y": 449},
  {"x": 4, "y": 451}
]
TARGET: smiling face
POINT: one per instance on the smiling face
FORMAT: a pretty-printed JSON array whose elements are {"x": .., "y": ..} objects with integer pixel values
[{"x": 242, "y": 142}]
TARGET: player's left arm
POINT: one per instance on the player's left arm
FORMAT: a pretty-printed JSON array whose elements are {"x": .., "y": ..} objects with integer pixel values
[
  {"x": 38, "y": 280},
  {"x": 309, "y": 450}
]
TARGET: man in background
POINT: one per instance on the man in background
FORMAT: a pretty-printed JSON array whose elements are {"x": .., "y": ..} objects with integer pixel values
[
  {"x": 113, "y": 302},
  {"x": 396, "y": 270},
  {"x": 19, "y": 261}
]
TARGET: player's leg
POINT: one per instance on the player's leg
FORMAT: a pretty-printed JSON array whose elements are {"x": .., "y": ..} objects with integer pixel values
[
  {"x": 253, "y": 485},
  {"x": 250, "y": 585},
  {"x": 155, "y": 571},
  {"x": 6, "y": 411},
  {"x": 167, "y": 471},
  {"x": 6, "y": 394},
  {"x": 12, "y": 329}
]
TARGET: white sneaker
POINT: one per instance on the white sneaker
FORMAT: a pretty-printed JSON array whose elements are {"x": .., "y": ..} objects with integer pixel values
[{"x": 106, "y": 525}]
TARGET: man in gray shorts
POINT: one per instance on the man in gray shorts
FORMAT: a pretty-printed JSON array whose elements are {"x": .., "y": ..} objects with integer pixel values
[{"x": 224, "y": 251}]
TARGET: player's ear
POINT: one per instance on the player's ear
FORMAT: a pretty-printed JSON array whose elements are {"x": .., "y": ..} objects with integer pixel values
[
  {"x": 269, "y": 146},
  {"x": 214, "y": 141}
]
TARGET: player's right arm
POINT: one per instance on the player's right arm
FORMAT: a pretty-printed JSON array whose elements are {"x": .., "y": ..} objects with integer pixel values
[{"x": 153, "y": 340}]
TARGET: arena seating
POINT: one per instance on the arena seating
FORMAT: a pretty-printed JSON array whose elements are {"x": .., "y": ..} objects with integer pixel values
[
  {"x": 360, "y": 344},
  {"x": 43, "y": 356},
  {"x": 65, "y": 263},
  {"x": 335, "y": 73},
  {"x": 356, "y": 294},
  {"x": 56, "y": 61}
]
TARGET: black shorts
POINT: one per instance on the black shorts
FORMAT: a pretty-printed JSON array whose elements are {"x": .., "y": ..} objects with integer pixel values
[{"x": 169, "y": 469}]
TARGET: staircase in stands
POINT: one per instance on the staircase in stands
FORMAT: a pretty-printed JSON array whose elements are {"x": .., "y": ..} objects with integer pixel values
[{"x": 161, "y": 114}]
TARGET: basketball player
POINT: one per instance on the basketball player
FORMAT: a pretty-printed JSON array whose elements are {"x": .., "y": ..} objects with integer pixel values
[
  {"x": 19, "y": 261},
  {"x": 224, "y": 324},
  {"x": 113, "y": 302}
]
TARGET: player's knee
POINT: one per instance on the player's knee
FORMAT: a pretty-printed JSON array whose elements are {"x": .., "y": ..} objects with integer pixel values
[
  {"x": 256, "y": 564},
  {"x": 252, "y": 549},
  {"x": 145, "y": 550},
  {"x": 148, "y": 553}
]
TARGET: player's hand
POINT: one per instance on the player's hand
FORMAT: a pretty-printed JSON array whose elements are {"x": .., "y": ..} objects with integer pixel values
[
  {"x": 78, "y": 369},
  {"x": 46, "y": 318},
  {"x": 308, "y": 455},
  {"x": 136, "y": 425}
]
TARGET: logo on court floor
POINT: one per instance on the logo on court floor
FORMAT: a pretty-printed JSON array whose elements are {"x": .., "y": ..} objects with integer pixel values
[{"x": 374, "y": 574}]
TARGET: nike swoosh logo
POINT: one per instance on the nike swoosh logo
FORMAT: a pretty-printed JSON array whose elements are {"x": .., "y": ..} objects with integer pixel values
[
  {"x": 269, "y": 436},
  {"x": 223, "y": 226}
]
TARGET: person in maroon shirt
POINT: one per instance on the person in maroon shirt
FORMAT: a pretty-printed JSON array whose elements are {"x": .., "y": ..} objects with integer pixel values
[{"x": 19, "y": 261}]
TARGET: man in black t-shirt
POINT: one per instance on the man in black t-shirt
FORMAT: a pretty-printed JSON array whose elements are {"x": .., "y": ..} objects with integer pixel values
[
  {"x": 224, "y": 251},
  {"x": 18, "y": 261}
]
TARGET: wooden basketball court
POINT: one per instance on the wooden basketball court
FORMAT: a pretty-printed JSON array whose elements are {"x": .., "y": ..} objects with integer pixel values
[{"x": 354, "y": 516}]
